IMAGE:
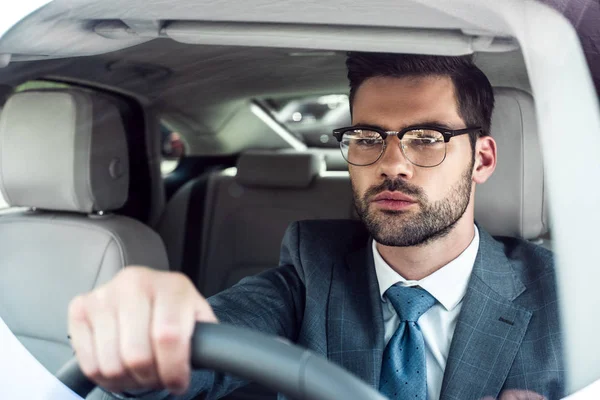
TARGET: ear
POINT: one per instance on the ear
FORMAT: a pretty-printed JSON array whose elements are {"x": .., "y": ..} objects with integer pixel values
[{"x": 485, "y": 159}]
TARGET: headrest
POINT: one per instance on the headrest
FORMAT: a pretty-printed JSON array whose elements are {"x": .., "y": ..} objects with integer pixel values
[
  {"x": 511, "y": 202},
  {"x": 63, "y": 150},
  {"x": 278, "y": 169}
]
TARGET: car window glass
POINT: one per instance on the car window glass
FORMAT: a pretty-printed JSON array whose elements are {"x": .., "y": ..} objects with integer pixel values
[
  {"x": 39, "y": 84},
  {"x": 312, "y": 117},
  {"x": 172, "y": 149}
]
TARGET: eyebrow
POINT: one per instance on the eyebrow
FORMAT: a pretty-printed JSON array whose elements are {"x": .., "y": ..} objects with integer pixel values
[{"x": 431, "y": 123}]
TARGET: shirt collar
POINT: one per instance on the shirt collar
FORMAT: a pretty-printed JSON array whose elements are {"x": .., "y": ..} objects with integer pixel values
[{"x": 448, "y": 284}]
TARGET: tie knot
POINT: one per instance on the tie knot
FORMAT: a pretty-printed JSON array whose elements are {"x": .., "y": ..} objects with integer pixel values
[{"x": 409, "y": 302}]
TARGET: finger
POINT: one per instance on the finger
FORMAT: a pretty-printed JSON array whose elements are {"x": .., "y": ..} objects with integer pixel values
[
  {"x": 204, "y": 312},
  {"x": 81, "y": 338},
  {"x": 134, "y": 316},
  {"x": 105, "y": 333},
  {"x": 172, "y": 325},
  {"x": 514, "y": 394}
]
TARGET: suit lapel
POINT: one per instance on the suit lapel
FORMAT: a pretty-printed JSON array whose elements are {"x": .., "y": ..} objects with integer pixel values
[
  {"x": 490, "y": 327},
  {"x": 355, "y": 332}
]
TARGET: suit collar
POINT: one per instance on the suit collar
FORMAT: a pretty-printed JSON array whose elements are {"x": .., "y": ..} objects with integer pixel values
[
  {"x": 488, "y": 334},
  {"x": 490, "y": 327},
  {"x": 495, "y": 270},
  {"x": 448, "y": 284}
]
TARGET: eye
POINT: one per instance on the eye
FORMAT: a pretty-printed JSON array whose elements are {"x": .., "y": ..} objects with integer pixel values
[
  {"x": 367, "y": 142},
  {"x": 423, "y": 138},
  {"x": 424, "y": 141},
  {"x": 363, "y": 138}
]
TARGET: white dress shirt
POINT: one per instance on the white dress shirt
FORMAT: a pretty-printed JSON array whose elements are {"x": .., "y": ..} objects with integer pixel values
[{"x": 448, "y": 286}]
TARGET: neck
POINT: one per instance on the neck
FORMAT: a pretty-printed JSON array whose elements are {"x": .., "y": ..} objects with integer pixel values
[{"x": 418, "y": 262}]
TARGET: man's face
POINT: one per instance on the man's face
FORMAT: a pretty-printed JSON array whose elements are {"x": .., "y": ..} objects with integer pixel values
[{"x": 438, "y": 196}]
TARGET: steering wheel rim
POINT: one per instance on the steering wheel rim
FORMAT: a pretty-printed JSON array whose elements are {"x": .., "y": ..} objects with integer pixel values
[{"x": 283, "y": 367}]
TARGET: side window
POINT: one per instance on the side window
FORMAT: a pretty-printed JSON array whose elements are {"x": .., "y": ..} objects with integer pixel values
[
  {"x": 173, "y": 148},
  {"x": 31, "y": 85}
]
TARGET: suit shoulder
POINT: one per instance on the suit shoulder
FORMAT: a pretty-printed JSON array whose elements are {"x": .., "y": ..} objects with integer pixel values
[
  {"x": 532, "y": 261},
  {"x": 333, "y": 232},
  {"x": 321, "y": 240}
]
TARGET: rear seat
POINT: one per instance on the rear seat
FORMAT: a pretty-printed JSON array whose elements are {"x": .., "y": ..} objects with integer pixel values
[
  {"x": 224, "y": 226},
  {"x": 245, "y": 213}
]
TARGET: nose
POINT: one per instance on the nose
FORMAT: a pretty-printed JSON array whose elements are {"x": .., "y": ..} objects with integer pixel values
[{"x": 393, "y": 163}]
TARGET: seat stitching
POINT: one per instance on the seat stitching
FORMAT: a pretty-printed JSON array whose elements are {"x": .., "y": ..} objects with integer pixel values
[
  {"x": 30, "y": 336},
  {"x": 101, "y": 262}
]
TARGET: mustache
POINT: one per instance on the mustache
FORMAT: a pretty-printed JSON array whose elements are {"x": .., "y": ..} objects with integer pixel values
[{"x": 395, "y": 185}]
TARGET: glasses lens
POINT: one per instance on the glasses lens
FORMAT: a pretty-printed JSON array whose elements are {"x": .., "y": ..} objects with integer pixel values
[
  {"x": 361, "y": 147},
  {"x": 425, "y": 148}
]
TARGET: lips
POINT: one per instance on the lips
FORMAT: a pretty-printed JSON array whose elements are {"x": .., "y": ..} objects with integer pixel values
[
  {"x": 393, "y": 196},
  {"x": 394, "y": 201}
]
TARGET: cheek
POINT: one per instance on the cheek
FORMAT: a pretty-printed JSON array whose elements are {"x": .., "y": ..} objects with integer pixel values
[
  {"x": 458, "y": 151},
  {"x": 434, "y": 187},
  {"x": 437, "y": 185},
  {"x": 362, "y": 178}
]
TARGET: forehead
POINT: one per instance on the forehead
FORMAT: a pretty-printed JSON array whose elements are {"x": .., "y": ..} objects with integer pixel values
[{"x": 394, "y": 103}]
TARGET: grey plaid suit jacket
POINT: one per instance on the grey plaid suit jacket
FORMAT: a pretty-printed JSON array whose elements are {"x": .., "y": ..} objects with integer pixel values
[{"x": 324, "y": 296}]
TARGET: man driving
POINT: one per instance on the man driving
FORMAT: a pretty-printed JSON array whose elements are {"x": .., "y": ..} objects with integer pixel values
[{"x": 415, "y": 298}]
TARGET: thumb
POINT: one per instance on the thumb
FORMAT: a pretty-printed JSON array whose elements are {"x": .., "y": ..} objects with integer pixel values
[{"x": 204, "y": 311}]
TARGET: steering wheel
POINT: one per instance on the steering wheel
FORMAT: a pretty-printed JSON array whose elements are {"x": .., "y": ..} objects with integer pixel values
[{"x": 283, "y": 367}]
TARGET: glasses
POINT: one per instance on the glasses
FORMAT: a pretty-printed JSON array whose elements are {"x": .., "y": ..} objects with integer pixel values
[{"x": 424, "y": 146}]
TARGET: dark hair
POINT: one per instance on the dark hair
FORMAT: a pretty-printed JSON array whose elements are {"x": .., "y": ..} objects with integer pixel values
[{"x": 474, "y": 94}]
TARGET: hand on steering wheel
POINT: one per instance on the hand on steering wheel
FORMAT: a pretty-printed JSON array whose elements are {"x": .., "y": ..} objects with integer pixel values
[{"x": 283, "y": 367}]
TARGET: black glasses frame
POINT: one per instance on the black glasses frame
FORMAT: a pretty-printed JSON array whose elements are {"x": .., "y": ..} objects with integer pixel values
[{"x": 446, "y": 133}]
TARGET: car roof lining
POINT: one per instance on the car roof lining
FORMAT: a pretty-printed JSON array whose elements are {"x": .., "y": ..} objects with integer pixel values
[{"x": 74, "y": 22}]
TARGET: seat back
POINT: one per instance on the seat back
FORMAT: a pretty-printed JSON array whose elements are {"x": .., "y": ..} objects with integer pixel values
[
  {"x": 250, "y": 212},
  {"x": 63, "y": 156},
  {"x": 245, "y": 212}
]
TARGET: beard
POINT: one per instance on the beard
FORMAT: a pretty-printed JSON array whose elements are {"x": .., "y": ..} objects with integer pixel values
[{"x": 408, "y": 228}]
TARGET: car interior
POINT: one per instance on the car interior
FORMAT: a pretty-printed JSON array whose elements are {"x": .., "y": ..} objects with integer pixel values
[{"x": 78, "y": 114}]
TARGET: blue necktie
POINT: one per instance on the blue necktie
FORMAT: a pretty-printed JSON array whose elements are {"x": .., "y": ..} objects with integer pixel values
[{"x": 403, "y": 374}]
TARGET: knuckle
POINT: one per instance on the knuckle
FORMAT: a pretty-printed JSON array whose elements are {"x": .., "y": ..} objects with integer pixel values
[
  {"x": 91, "y": 371},
  {"x": 138, "y": 362},
  {"x": 77, "y": 307},
  {"x": 113, "y": 373},
  {"x": 177, "y": 280},
  {"x": 100, "y": 297},
  {"x": 168, "y": 334},
  {"x": 133, "y": 274},
  {"x": 136, "y": 278}
]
